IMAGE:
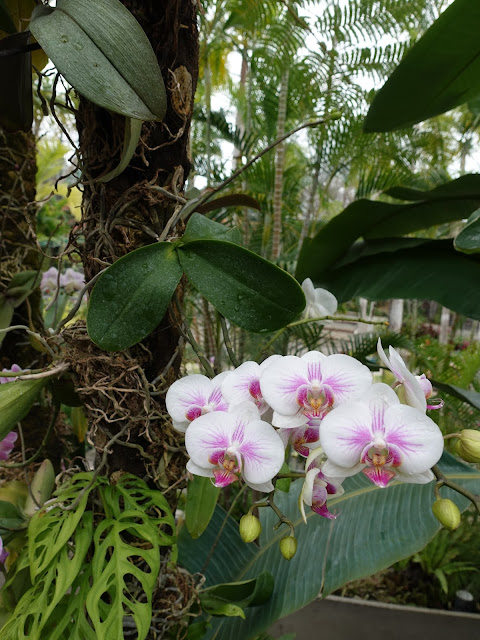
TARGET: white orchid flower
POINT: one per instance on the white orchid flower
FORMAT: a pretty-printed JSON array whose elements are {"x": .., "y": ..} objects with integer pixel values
[
  {"x": 225, "y": 446},
  {"x": 193, "y": 396},
  {"x": 320, "y": 302},
  {"x": 318, "y": 487},
  {"x": 382, "y": 438},
  {"x": 417, "y": 388},
  {"x": 243, "y": 384},
  {"x": 306, "y": 388}
]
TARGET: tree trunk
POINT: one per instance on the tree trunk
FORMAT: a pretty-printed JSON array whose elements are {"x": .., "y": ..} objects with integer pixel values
[
  {"x": 279, "y": 167},
  {"x": 125, "y": 214}
]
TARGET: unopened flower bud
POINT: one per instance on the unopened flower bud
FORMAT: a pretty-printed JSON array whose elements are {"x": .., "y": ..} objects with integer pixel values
[
  {"x": 447, "y": 513},
  {"x": 250, "y": 528},
  {"x": 468, "y": 446},
  {"x": 40, "y": 489},
  {"x": 425, "y": 385},
  {"x": 288, "y": 547}
]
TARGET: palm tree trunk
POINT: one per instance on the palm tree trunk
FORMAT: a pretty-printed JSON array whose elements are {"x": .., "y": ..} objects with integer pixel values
[{"x": 279, "y": 168}]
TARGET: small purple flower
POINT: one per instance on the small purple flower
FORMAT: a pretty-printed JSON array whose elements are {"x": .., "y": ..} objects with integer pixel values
[
  {"x": 3, "y": 552},
  {"x": 7, "y": 444},
  {"x": 13, "y": 369}
]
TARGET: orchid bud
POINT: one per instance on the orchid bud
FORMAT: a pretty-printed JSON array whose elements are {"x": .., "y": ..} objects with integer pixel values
[
  {"x": 250, "y": 528},
  {"x": 288, "y": 547},
  {"x": 468, "y": 446},
  {"x": 447, "y": 513},
  {"x": 425, "y": 385},
  {"x": 40, "y": 489}
]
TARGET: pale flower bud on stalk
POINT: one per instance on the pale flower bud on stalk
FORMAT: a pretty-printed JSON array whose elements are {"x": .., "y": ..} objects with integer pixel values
[
  {"x": 288, "y": 547},
  {"x": 468, "y": 446},
  {"x": 447, "y": 513},
  {"x": 250, "y": 527}
]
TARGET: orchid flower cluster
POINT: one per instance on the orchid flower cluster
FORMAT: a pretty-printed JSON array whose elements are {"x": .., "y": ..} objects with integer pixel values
[
  {"x": 70, "y": 281},
  {"x": 327, "y": 408}
]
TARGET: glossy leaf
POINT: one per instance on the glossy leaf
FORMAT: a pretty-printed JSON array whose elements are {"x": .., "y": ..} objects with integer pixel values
[
  {"x": 16, "y": 400},
  {"x": 467, "y": 395},
  {"x": 6, "y": 315},
  {"x": 202, "y": 498},
  {"x": 248, "y": 290},
  {"x": 433, "y": 271},
  {"x": 441, "y": 71},
  {"x": 130, "y": 299},
  {"x": 117, "y": 68},
  {"x": 247, "y": 593},
  {"x": 375, "y": 528},
  {"x": 375, "y": 219},
  {"x": 468, "y": 240},
  {"x": 201, "y": 228}
]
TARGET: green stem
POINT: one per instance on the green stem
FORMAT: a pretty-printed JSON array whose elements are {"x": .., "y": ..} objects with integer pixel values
[
  {"x": 228, "y": 342},
  {"x": 444, "y": 481}
]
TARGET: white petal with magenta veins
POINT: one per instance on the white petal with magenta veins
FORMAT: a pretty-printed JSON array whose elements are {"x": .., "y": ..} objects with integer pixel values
[{"x": 280, "y": 381}]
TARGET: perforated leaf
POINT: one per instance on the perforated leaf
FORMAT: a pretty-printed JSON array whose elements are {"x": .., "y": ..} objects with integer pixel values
[{"x": 125, "y": 567}]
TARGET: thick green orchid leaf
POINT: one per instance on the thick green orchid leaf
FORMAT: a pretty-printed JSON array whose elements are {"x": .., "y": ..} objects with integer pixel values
[
  {"x": 441, "y": 71},
  {"x": 16, "y": 400},
  {"x": 201, "y": 228},
  {"x": 430, "y": 271},
  {"x": 130, "y": 299},
  {"x": 103, "y": 52},
  {"x": 248, "y": 290},
  {"x": 230, "y": 200},
  {"x": 468, "y": 240},
  {"x": 202, "y": 496},
  {"x": 16, "y": 98},
  {"x": 376, "y": 219},
  {"x": 374, "y": 528},
  {"x": 11, "y": 521},
  {"x": 470, "y": 397}
]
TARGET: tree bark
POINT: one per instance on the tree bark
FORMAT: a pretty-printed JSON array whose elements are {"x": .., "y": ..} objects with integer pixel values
[{"x": 125, "y": 214}]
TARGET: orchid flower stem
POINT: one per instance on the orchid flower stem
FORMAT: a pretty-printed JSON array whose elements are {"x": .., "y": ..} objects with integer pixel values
[
  {"x": 451, "y": 435},
  {"x": 228, "y": 342},
  {"x": 298, "y": 323},
  {"x": 282, "y": 519},
  {"x": 293, "y": 474},
  {"x": 444, "y": 481},
  {"x": 187, "y": 334},
  {"x": 17, "y": 465},
  {"x": 30, "y": 333},
  {"x": 220, "y": 531}
]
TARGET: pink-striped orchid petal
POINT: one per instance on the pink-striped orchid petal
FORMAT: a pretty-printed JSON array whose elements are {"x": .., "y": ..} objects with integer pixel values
[
  {"x": 382, "y": 437},
  {"x": 307, "y": 388},
  {"x": 415, "y": 389},
  {"x": 317, "y": 487},
  {"x": 320, "y": 302},
  {"x": 193, "y": 396},
  {"x": 303, "y": 439},
  {"x": 243, "y": 384},
  {"x": 227, "y": 445},
  {"x": 7, "y": 444}
]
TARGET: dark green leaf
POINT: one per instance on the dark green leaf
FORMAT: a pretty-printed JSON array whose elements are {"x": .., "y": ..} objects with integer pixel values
[
  {"x": 218, "y": 607},
  {"x": 247, "y": 593},
  {"x": 21, "y": 286},
  {"x": 197, "y": 630},
  {"x": 16, "y": 99},
  {"x": 6, "y": 22},
  {"x": 6, "y": 315},
  {"x": 131, "y": 297},
  {"x": 231, "y": 200},
  {"x": 202, "y": 498},
  {"x": 433, "y": 271},
  {"x": 468, "y": 396},
  {"x": 248, "y": 290},
  {"x": 441, "y": 71},
  {"x": 375, "y": 219},
  {"x": 11, "y": 521},
  {"x": 468, "y": 240},
  {"x": 117, "y": 68},
  {"x": 131, "y": 138},
  {"x": 201, "y": 228},
  {"x": 375, "y": 528},
  {"x": 16, "y": 400}
]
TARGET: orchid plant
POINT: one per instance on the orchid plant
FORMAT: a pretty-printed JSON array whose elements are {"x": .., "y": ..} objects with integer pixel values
[{"x": 240, "y": 425}]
